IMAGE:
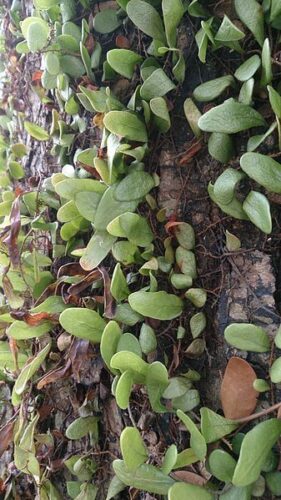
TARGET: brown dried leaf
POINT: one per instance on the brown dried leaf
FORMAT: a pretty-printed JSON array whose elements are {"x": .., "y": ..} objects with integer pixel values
[
  {"x": 189, "y": 477},
  {"x": 238, "y": 397},
  {"x": 109, "y": 302},
  {"x": 34, "y": 319},
  {"x": 54, "y": 375},
  {"x": 6, "y": 434},
  {"x": 122, "y": 42}
]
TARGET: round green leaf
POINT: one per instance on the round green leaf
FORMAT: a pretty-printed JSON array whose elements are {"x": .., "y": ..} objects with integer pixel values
[
  {"x": 126, "y": 124},
  {"x": 257, "y": 207},
  {"x": 247, "y": 337},
  {"x": 157, "y": 305}
]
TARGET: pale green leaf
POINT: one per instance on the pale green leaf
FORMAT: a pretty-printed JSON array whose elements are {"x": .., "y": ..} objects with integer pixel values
[
  {"x": 247, "y": 337},
  {"x": 257, "y": 207},
  {"x": 157, "y": 305},
  {"x": 255, "y": 447},
  {"x": 83, "y": 323},
  {"x": 230, "y": 117}
]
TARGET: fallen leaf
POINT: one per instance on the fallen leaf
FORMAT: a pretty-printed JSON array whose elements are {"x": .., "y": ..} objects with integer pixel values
[
  {"x": 190, "y": 153},
  {"x": 54, "y": 375},
  {"x": 189, "y": 477},
  {"x": 34, "y": 319},
  {"x": 238, "y": 397},
  {"x": 122, "y": 42}
]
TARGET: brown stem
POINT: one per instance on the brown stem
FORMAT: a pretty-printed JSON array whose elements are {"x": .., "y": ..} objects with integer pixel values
[{"x": 258, "y": 415}]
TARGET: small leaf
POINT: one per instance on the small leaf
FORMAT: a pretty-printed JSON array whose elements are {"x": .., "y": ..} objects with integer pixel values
[
  {"x": 251, "y": 14},
  {"x": 146, "y": 18},
  {"x": 275, "y": 100},
  {"x": 37, "y": 35},
  {"x": 263, "y": 169},
  {"x": 69, "y": 188},
  {"x": 128, "y": 342},
  {"x": 119, "y": 288},
  {"x": 275, "y": 371},
  {"x": 134, "y": 186},
  {"x": 185, "y": 235},
  {"x": 110, "y": 207},
  {"x": 228, "y": 31},
  {"x": 123, "y": 389},
  {"x": 129, "y": 361},
  {"x": 29, "y": 370},
  {"x": 170, "y": 459},
  {"x": 248, "y": 68},
  {"x": 97, "y": 249},
  {"x": 160, "y": 111},
  {"x": 222, "y": 465},
  {"x": 273, "y": 482},
  {"x": 81, "y": 427},
  {"x": 257, "y": 207},
  {"x": 20, "y": 330},
  {"x": 147, "y": 339},
  {"x": 36, "y": 132},
  {"x": 212, "y": 89},
  {"x": 126, "y": 124},
  {"x": 186, "y": 262},
  {"x": 238, "y": 397},
  {"x": 115, "y": 487},
  {"x": 247, "y": 337},
  {"x": 83, "y": 323},
  {"x": 255, "y": 446},
  {"x": 234, "y": 208},
  {"x": 197, "y": 324},
  {"x": 197, "y": 441},
  {"x": 123, "y": 61},
  {"x": 52, "y": 63},
  {"x": 146, "y": 477},
  {"x": 190, "y": 491},
  {"x": 132, "y": 448},
  {"x": 230, "y": 117},
  {"x": 157, "y": 84},
  {"x": 197, "y": 296},
  {"x": 192, "y": 114},
  {"x": 232, "y": 242},
  {"x": 224, "y": 187},
  {"x": 221, "y": 147},
  {"x": 214, "y": 426},
  {"x": 109, "y": 342},
  {"x": 157, "y": 305},
  {"x": 106, "y": 21},
  {"x": 173, "y": 12},
  {"x": 156, "y": 383},
  {"x": 266, "y": 64}
]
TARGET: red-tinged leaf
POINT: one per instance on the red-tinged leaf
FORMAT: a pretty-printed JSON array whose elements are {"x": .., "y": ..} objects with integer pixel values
[
  {"x": 238, "y": 397},
  {"x": 37, "y": 75},
  {"x": 189, "y": 477},
  {"x": 71, "y": 269},
  {"x": 34, "y": 319},
  {"x": 122, "y": 42},
  {"x": 190, "y": 153},
  {"x": 171, "y": 225},
  {"x": 6, "y": 434},
  {"x": 85, "y": 282},
  {"x": 109, "y": 302},
  {"x": 54, "y": 375},
  {"x": 14, "y": 350},
  {"x": 12, "y": 239}
]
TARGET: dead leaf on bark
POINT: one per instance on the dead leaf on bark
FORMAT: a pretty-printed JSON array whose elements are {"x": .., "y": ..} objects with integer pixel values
[
  {"x": 189, "y": 477},
  {"x": 6, "y": 434},
  {"x": 54, "y": 375},
  {"x": 238, "y": 397},
  {"x": 122, "y": 42}
]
